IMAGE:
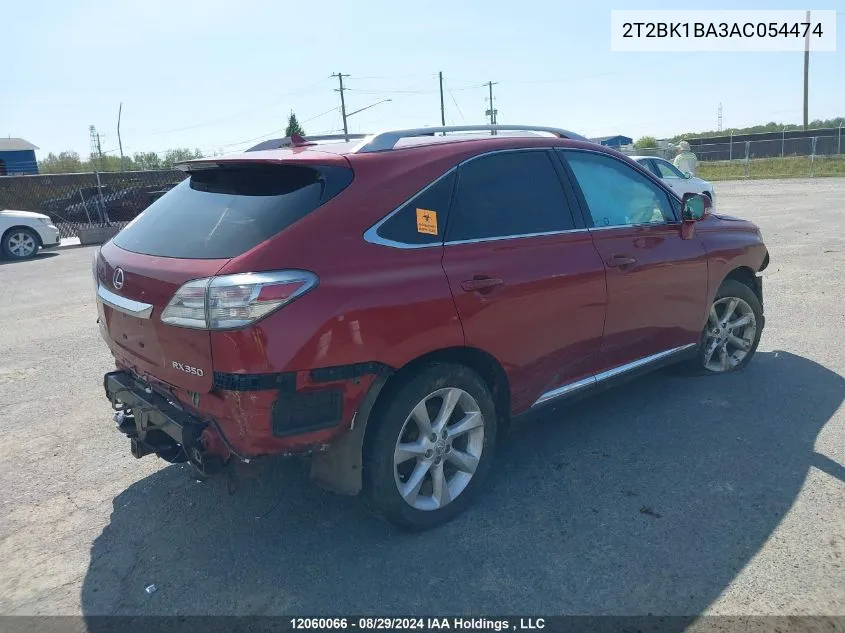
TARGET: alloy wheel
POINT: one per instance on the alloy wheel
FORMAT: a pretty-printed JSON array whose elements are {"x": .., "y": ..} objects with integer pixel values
[
  {"x": 729, "y": 335},
  {"x": 438, "y": 449},
  {"x": 21, "y": 244}
]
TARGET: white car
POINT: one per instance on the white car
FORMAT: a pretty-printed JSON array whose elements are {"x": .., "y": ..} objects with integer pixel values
[
  {"x": 24, "y": 232},
  {"x": 680, "y": 182}
]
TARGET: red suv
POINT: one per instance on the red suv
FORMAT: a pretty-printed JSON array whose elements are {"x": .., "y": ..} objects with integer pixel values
[{"x": 389, "y": 303}]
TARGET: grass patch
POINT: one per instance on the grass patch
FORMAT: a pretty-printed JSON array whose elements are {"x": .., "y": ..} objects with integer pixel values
[{"x": 787, "y": 167}]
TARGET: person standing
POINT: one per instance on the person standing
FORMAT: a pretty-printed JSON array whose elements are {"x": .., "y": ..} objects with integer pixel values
[{"x": 686, "y": 161}]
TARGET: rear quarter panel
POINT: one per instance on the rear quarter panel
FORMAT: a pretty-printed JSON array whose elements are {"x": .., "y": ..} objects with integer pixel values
[
  {"x": 391, "y": 307},
  {"x": 373, "y": 302}
]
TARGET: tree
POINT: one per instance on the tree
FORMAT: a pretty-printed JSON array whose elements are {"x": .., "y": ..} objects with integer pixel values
[
  {"x": 646, "y": 142},
  {"x": 67, "y": 162},
  {"x": 108, "y": 162},
  {"x": 293, "y": 126},
  {"x": 178, "y": 155},
  {"x": 771, "y": 126},
  {"x": 146, "y": 160}
]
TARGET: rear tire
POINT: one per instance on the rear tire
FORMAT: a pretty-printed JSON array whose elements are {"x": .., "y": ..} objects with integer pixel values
[
  {"x": 430, "y": 447},
  {"x": 20, "y": 243},
  {"x": 732, "y": 332}
]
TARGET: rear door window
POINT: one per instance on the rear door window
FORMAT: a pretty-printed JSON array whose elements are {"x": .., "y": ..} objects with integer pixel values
[
  {"x": 508, "y": 194},
  {"x": 221, "y": 213}
]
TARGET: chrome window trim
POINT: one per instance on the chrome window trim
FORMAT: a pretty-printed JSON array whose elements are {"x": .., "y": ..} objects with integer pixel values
[
  {"x": 137, "y": 309},
  {"x": 633, "y": 226},
  {"x": 371, "y": 234},
  {"x": 476, "y": 240},
  {"x": 610, "y": 373}
]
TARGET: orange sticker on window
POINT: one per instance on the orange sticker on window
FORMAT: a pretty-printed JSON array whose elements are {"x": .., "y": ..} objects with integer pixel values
[{"x": 426, "y": 222}]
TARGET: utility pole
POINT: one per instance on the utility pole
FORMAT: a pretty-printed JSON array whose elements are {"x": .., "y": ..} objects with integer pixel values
[
  {"x": 442, "y": 107},
  {"x": 492, "y": 112},
  {"x": 340, "y": 77},
  {"x": 99, "y": 148},
  {"x": 119, "y": 142},
  {"x": 806, "y": 73},
  {"x": 720, "y": 117}
]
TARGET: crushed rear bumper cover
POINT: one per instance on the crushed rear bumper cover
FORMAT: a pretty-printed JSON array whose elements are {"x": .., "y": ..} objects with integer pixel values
[{"x": 155, "y": 425}]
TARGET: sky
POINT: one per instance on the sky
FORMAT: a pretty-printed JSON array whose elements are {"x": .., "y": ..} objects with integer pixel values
[{"x": 220, "y": 75}]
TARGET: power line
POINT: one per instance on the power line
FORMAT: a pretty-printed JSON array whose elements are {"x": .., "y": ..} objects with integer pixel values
[
  {"x": 358, "y": 78},
  {"x": 463, "y": 120},
  {"x": 278, "y": 131},
  {"x": 415, "y": 92},
  {"x": 305, "y": 90},
  {"x": 592, "y": 75},
  {"x": 249, "y": 140},
  {"x": 317, "y": 116}
]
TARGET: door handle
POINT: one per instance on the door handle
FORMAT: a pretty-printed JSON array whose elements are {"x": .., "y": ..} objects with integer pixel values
[
  {"x": 620, "y": 261},
  {"x": 481, "y": 283}
]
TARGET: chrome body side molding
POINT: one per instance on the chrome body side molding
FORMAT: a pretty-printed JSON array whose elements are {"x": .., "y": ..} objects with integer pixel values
[{"x": 595, "y": 379}]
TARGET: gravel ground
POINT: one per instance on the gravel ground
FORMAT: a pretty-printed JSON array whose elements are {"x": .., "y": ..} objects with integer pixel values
[{"x": 668, "y": 495}]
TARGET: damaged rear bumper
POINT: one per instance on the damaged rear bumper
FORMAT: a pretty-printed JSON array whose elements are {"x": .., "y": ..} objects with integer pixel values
[{"x": 155, "y": 425}]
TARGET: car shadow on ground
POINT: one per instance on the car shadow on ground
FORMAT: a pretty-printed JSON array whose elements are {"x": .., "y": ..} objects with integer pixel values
[
  {"x": 647, "y": 499},
  {"x": 38, "y": 256}
]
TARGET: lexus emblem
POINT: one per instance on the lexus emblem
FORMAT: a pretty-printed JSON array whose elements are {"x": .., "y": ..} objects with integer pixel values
[{"x": 117, "y": 280}]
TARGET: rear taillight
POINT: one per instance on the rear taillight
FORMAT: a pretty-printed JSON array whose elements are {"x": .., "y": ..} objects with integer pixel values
[{"x": 233, "y": 301}]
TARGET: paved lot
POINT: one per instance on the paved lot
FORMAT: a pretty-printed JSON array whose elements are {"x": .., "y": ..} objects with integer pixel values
[{"x": 669, "y": 495}]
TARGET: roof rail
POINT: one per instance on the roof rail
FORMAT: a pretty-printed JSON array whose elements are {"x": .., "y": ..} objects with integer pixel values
[
  {"x": 387, "y": 140},
  {"x": 277, "y": 143}
]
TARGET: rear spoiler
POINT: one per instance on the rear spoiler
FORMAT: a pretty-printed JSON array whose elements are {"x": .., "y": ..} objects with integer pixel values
[
  {"x": 199, "y": 164},
  {"x": 295, "y": 140}
]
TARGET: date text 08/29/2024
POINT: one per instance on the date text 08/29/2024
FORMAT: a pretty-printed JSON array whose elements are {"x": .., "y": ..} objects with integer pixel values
[{"x": 417, "y": 624}]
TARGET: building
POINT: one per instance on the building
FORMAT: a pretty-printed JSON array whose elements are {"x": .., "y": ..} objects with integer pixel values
[
  {"x": 615, "y": 142},
  {"x": 17, "y": 157}
]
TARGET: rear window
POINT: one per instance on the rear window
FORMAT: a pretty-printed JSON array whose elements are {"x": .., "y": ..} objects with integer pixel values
[{"x": 223, "y": 212}]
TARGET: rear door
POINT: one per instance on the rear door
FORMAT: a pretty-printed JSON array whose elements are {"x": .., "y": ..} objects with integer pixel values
[
  {"x": 218, "y": 213},
  {"x": 656, "y": 280},
  {"x": 527, "y": 281}
]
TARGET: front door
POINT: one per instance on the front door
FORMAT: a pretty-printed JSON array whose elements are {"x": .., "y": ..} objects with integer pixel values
[
  {"x": 527, "y": 281},
  {"x": 656, "y": 280},
  {"x": 672, "y": 176}
]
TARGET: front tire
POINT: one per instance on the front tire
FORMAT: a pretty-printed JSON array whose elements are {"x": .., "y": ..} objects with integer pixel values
[
  {"x": 431, "y": 447},
  {"x": 733, "y": 329},
  {"x": 20, "y": 243}
]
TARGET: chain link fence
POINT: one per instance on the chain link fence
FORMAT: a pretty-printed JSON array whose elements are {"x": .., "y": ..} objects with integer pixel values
[
  {"x": 78, "y": 201},
  {"x": 771, "y": 158}
]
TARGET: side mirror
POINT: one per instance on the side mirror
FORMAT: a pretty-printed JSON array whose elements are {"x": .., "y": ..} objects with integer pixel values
[{"x": 694, "y": 207}]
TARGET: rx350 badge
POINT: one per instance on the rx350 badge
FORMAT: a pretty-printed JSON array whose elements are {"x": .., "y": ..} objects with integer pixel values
[{"x": 188, "y": 369}]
